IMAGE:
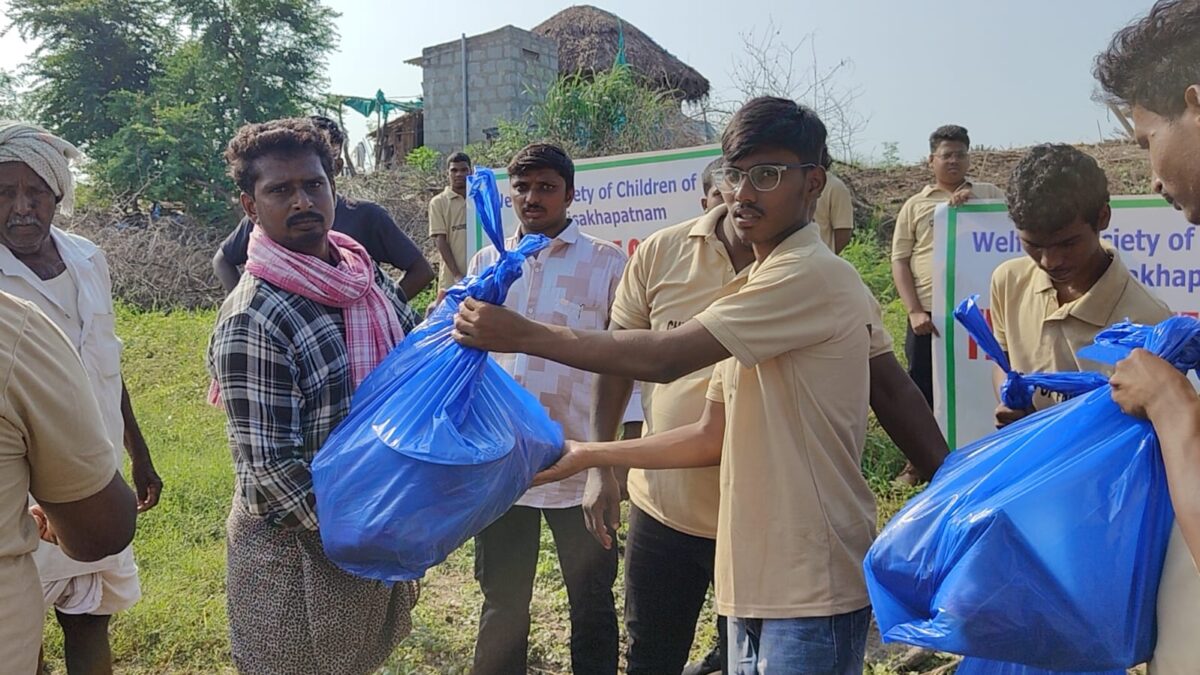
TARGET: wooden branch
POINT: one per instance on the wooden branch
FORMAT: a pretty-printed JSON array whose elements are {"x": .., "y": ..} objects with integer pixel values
[{"x": 1122, "y": 119}]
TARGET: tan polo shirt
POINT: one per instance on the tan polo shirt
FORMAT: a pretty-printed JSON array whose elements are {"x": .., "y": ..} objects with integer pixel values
[
  {"x": 44, "y": 384},
  {"x": 448, "y": 216},
  {"x": 1042, "y": 336},
  {"x": 913, "y": 236},
  {"x": 796, "y": 516},
  {"x": 675, "y": 274},
  {"x": 835, "y": 209}
]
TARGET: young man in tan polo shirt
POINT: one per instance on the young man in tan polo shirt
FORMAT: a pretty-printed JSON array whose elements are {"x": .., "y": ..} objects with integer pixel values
[
  {"x": 785, "y": 418},
  {"x": 448, "y": 221},
  {"x": 1051, "y": 302},
  {"x": 1153, "y": 66},
  {"x": 674, "y": 275},
  {"x": 912, "y": 243}
]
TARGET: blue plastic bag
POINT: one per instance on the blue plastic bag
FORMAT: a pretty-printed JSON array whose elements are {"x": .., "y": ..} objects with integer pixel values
[
  {"x": 972, "y": 666},
  {"x": 1018, "y": 388},
  {"x": 1041, "y": 544},
  {"x": 440, "y": 441}
]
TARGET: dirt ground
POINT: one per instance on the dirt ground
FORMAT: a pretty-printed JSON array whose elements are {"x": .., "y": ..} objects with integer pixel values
[{"x": 880, "y": 191}]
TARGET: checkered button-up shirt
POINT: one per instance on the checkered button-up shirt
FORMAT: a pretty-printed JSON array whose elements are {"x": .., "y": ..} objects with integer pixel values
[
  {"x": 572, "y": 282},
  {"x": 281, "y": 362}
]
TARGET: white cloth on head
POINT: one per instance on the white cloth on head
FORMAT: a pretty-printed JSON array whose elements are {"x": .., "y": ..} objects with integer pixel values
[{"x": 48, "y": 155}]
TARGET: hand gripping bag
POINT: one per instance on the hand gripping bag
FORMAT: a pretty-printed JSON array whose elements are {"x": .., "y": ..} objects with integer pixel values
[
  {"x": 1041, "y": 544},
  {"x": 440, "y": 441}
]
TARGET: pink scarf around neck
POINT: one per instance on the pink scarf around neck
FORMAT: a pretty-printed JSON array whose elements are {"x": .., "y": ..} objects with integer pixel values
[{"x": 372, "y": 328}]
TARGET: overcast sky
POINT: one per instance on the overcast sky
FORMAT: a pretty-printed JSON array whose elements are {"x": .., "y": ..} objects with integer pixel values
[{"x": 1014, "y": 72}]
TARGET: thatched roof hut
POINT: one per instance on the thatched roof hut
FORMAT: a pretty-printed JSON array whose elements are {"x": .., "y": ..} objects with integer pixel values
[{"x": 587, "y": 41}]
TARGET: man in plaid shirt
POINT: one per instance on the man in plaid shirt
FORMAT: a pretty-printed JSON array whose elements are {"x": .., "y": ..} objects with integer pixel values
[{"x": 311, "y": 316}]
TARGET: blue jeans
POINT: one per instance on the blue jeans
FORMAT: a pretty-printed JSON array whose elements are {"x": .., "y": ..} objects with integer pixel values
[{"x": 826, "y": 645}]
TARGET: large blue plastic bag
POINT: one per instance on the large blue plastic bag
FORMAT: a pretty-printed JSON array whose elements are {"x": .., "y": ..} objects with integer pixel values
[
  {"x": 1041, "y": 544},
  {"x": 440, "y": 441},
  {"x": 973, "y": 666}
]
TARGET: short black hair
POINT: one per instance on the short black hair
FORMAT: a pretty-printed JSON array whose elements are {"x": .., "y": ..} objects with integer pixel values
[
  {"x": 706, "y": 178},
  {"x": 544, "y": 156},
  {"x": 292, "y": 136},
  {"x": 1053, "y": 186},
  {"x": 332, "y": 130},
  {"x": 458, "y": 157},
  {"x": 948, "y": 132},
  {"x": 769, "y": 121},
  {"x": 1152, "y": 61}
]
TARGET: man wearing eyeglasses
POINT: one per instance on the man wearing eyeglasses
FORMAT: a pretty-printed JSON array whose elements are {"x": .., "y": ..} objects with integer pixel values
[
  {"x": 912, "y": 250},
  {"x": 912, "y": 243},
  {"x": 785, "y": 418}
]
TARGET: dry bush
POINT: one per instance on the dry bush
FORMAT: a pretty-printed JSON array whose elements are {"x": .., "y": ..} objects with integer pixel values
[
  {"x": 159, "y": 264},
  {"x": 879, "y": 192},
  {"x": 166, "y": 263},
  {"x": 405, "y": 194}
]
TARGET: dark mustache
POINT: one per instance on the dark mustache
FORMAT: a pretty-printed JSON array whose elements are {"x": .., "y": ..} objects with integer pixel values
[
  {"x": 298, "y": 218},
  {"x": 749, "y": 207}
]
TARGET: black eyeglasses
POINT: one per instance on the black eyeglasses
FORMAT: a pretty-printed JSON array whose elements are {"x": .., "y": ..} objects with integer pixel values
[
  {"x": 764, "y": 177},
  {"x": 954, "y": 154}
]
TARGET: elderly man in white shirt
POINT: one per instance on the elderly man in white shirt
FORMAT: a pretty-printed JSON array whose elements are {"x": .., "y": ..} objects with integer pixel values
[{"x": 67, "y": 277}]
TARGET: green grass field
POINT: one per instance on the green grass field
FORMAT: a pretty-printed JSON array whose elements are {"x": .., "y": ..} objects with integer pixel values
[{"x": 179, "y": 626}]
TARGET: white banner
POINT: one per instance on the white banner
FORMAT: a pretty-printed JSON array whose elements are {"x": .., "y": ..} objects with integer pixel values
[
  {"x": 1154, "y": 240},
  {"x": 622, "y": 199}
]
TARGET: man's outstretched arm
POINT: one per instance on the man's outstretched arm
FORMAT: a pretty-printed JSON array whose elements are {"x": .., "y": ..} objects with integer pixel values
[
  {"x": 645, "y": 355},
  {"x": 694, "y": 445}
]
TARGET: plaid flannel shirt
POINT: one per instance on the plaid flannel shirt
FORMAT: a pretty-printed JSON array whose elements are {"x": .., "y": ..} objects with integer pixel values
[{"x": 281, "y": 362}]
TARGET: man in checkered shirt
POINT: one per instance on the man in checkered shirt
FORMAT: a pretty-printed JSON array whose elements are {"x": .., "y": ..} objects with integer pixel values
[
  {"x": 571, "y": 282},
  {"x": 311, "y": 316}
]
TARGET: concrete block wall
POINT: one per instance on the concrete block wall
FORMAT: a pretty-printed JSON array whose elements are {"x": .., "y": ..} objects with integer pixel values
[{"x": 506, "y": 71}]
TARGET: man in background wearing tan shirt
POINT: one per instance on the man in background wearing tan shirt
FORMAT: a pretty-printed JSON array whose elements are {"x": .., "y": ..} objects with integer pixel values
[
  {"x": 912, "y": 243},
  {"x": 835, "y": 214},
  {"x": 448, "y": 221},
  {"x": 1069, "y": 286},
  {"x": 1051, "y": 302}
]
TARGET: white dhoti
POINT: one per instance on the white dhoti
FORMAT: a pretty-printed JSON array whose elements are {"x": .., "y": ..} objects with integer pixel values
[{"x": 102, "y": 588}]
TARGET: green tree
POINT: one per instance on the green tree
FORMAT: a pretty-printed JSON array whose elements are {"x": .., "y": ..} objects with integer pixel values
[
  {"x": 88, "y": 50},
  {"x": 12, "y": 103},
  {"x": 258, "y": 59},
  {"x": 154, "y": 89},
  {"x": 609, "y": 112},
  {"x": 240, "y": 61},
  {"x": 606, "y": 113}
]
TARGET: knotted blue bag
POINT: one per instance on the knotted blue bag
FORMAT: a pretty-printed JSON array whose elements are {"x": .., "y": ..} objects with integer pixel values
[
  {"x": 440, "y": 441},
  {"x": 1041, "y": 544}
]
